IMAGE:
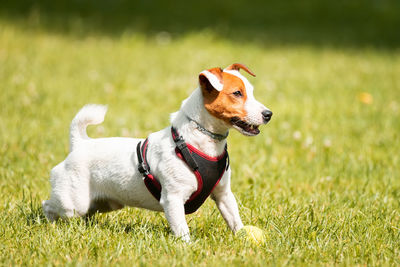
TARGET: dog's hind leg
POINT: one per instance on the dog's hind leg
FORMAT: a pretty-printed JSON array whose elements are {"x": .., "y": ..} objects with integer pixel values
[
  {"x": 69, "y": 196},
  {"x": 55, "y": 208},
  {"x": 49, "y": 211}
]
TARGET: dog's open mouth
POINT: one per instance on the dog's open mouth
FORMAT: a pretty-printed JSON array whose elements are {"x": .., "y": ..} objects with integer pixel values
[{"x": 244, "y": 127}]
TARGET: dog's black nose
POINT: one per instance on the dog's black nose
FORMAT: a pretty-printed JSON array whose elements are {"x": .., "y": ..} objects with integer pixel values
[{"x": 267, "y": 114}]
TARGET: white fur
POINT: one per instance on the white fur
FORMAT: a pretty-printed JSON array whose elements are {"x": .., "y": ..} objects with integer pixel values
[
  {"x": 88, "y": 115},
  {"x": 106, "y": 169},
  {"x": 213, "y": 80}
]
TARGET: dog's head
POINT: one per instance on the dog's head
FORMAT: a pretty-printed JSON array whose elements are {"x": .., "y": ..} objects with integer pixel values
[{"x": 228, "y": 96}]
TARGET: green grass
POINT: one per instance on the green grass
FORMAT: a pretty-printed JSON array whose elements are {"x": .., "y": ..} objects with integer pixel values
[{"x": 322, "y": 179}]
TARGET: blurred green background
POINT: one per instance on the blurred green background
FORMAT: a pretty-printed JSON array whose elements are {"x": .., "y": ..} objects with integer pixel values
[
  {"x": 351, "y": 23},
  {"x": 321, "y": 180}
]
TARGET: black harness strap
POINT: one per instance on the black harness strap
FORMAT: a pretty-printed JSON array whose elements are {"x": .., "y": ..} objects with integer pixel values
[{"x": 182, "y": 146}]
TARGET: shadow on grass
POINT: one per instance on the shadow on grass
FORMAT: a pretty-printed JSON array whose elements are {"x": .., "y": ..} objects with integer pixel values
[
  {"x": 31, "y": 209},
  {"x": 129, "y": 228},
  {"x": 348, "y": 23}
]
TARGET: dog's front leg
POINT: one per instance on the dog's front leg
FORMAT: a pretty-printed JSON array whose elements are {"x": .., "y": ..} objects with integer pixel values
[
  {"x": 226, "y": 203},
  {"x": 175, "y": 213}
]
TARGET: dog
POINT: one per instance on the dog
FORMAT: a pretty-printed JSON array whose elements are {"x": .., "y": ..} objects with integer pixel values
[{"x": 105, "y": 174}]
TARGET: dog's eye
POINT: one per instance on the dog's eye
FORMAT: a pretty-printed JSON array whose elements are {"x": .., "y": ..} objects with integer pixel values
[{"x": 237, "y": 94}]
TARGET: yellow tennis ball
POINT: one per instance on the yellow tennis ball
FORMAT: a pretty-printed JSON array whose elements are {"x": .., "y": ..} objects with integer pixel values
[{"x": 252, "y": 234}]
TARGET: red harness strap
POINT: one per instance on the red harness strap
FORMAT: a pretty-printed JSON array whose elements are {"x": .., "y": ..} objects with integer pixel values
[{"x": 208, "y": 170}]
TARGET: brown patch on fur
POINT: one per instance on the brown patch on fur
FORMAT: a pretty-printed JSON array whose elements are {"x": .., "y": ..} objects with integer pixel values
[
  {"x": 238, "y": 66},
  {"x": 225, "y": 104}
]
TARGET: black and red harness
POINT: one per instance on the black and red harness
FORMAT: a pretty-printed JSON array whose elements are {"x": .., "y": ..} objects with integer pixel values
[{"x": 208, "y": 170}]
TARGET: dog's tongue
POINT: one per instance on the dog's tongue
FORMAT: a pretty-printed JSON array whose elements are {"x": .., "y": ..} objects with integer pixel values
[{"x": 254, "y": 129}]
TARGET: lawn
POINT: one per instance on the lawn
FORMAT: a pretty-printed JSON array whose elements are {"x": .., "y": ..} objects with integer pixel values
[{"x": 322, "y": 179}]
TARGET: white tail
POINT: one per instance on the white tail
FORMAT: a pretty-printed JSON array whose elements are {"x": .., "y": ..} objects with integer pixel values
[{"x": 90, "y": 114}]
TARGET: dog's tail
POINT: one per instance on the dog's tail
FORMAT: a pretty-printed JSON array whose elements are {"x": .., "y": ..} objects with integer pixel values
[{"x": 88, "y": 115}]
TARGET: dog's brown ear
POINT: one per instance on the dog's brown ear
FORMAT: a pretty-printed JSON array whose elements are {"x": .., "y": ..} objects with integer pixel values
[
  {"x": 211, "y": 79},
  {"x": 238, "y": 66}
]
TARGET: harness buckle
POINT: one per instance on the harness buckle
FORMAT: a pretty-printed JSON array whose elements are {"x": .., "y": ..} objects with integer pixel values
[
  {"x": 143, "y": 168},
  {"x": 180, "y": 143},
  {"x": 183, "y": 148}
]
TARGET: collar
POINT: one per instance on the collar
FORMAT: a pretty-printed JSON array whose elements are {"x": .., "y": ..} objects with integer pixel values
[{"x": 215, "y": 136}]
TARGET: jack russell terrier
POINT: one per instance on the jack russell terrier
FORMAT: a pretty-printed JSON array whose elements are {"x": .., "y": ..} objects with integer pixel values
[{"x": 174, "y": 170}]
